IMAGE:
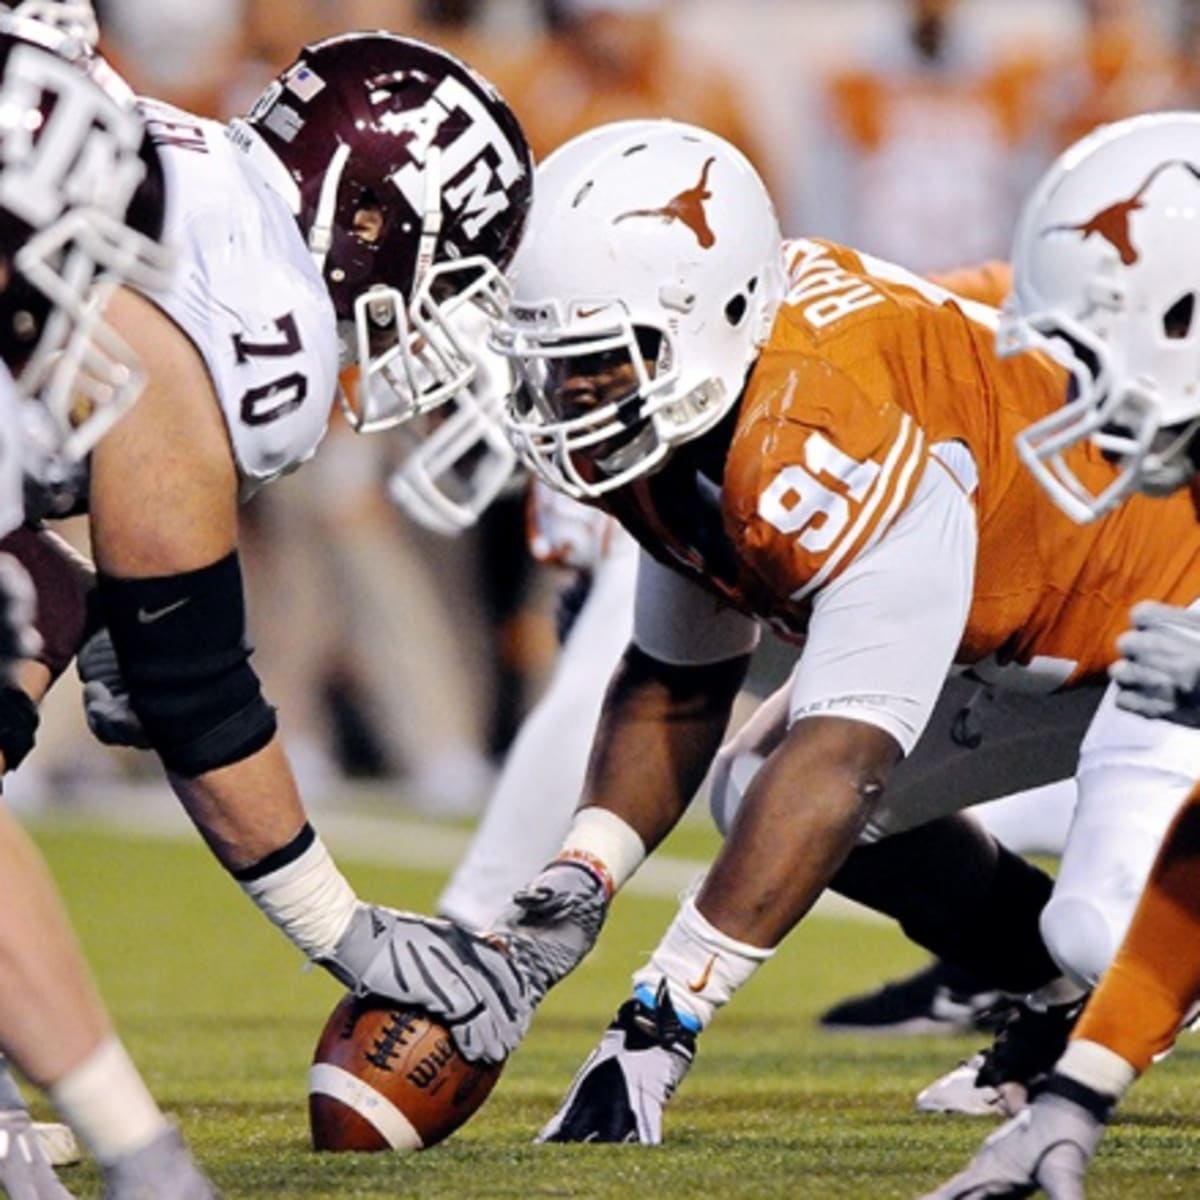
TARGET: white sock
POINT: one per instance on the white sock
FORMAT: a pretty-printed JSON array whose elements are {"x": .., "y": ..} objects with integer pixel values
[
  {"x": 105, "y": 1101},
  {"x": 703, "y": 967}
]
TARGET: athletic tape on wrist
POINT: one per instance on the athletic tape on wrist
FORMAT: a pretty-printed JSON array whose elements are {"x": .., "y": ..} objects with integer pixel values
[
  {"x": 301, "y": 891},
  {"x": 604, "y": 843},
  {"x": 1097, "y": 1067}
]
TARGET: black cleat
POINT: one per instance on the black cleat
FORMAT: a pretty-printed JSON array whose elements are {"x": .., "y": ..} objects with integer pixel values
[{"x": 938, "y": 999}]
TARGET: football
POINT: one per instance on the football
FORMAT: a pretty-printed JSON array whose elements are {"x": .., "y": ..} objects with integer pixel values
[{"x": 389, "y": 1078}]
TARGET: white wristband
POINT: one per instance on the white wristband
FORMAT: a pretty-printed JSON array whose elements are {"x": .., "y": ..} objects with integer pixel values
[
  {"x": 309, "y": 899},
  {"x": 607, "y": 843}
]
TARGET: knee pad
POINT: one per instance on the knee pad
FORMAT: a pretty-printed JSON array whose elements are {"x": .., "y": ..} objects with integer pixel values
[
  {"x": 182, "y": 650},
  {"x": 1081, "y": 937}
]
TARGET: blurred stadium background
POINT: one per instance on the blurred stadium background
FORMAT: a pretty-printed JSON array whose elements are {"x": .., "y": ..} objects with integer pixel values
[
  {"x": 403, "y": 663},
  {"x": 907, "y": 128}
]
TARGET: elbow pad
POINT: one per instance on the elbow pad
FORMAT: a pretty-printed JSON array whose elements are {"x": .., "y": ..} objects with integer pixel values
[{"x": 182, "y": 650}]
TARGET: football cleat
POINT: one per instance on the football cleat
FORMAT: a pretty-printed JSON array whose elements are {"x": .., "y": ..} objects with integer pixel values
[
  {"x": 938, "y": 999},
  {"x": 1000, "y": 1080},
  {"x": 621, "y": 1090},
  {"x": 58, "y": 1143}
]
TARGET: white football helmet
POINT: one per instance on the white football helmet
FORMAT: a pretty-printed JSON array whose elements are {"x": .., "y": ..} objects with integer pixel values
[
  {"x": 81, "y": 212},
  {"x": 1106, "y": 264},
  {"x": 653, "y": 259},
  {"x": 459, "y": 457}
]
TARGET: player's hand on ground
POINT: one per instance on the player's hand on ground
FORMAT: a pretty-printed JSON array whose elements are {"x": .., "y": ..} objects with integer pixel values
[
  {"x": 1158, "y": 674},
  {"x": 553, "y": 922},
  {"x": 25, "y": 1173},
  {"x": 1046, "y": 1146},
  {"x": 621, "y": 1090},
  {"x": 106, "y": 705},
  {"x": 163, "y": 1169},
  {"x": 467, "y": 980}
]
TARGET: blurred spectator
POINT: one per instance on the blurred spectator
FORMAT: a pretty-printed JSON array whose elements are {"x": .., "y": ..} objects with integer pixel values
[
  {"x": 608, "y": 60},
  {"x": 455, "y": 25},
  {"x": 1123, "y": 66},
  {"x": 926, "y": 146},
  {"x": 186, "y": 54}
]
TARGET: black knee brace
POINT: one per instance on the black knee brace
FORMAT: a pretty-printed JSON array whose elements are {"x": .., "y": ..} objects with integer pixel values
[{"x": 182, "y": 649}]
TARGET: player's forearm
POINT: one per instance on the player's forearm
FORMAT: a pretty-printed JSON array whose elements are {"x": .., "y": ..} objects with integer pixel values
[
  {"x": 250, "y": 815},
  {"x": 798, "y": 821},
  {"x": 658, "y": 733}
]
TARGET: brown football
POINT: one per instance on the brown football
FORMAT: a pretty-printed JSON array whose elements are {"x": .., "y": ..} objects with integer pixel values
[{"x": 389, "y": 1078}]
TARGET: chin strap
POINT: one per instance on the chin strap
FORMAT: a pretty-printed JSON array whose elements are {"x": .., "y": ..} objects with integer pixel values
[
  {"x": 320, "y": 236},
  {"x": 431, "y": 218}
]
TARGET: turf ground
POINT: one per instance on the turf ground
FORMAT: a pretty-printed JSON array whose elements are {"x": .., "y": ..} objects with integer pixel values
[{"x": 216, "y": 1009}]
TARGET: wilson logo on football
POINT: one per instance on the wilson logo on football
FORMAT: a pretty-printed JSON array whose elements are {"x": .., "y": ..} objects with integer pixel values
[{"x": 426, "y": 1071}]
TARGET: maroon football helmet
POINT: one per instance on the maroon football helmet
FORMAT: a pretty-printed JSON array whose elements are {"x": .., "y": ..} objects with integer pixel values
[
  {"x": 410, "y": 179},
  {"x": 81, "y": 211}
]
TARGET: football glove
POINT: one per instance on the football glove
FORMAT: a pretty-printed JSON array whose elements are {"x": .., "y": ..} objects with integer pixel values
[
  {"x": 1158, "y": 674},
  {"x": 25, "y": 1173},
  {"x": 552, "y": 923},
  {"x": 466, "y": 980},
  {"x": 621, "y": 1090},
  {"x": 1046, "y": 1146},
  {"x": 164, "y": 1168},
  {"x": 106, "y": 705}
]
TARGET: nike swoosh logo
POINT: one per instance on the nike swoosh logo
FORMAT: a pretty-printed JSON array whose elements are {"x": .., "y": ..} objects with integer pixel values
[
  {"x": 584, "y": 313},
  {"x": 147, "y": 616},
  {"x": 700, "y": 984}
]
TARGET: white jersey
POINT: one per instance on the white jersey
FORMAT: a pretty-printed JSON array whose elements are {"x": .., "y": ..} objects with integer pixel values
[{"x": 247, "y": 294}]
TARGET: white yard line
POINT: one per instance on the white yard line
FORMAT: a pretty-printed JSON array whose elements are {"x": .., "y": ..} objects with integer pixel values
[{"x": 402, "y": 839}]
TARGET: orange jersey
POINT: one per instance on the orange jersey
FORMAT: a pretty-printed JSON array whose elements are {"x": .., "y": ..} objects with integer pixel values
[
  {"x": 986, "y": 283},
  {"x": 869, "y": 369}
]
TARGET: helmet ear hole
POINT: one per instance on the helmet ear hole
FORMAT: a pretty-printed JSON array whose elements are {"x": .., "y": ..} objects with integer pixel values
[
  {"x": 1177, "y": 320},
  {"x": 736, "y": 308}
]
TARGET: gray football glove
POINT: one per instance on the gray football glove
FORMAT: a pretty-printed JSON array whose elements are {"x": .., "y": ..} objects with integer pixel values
[
  {"x": 106, "y": 705},
  {"x": 1046, "y": 1146},
  {"x": 25, "y": 1173},
  {"x": 621, "y": 1090},
  {"x": 164, "y": 1168},
  {"x": 1158, "y": 674},
  {"x": 552, "y": 923},
  {"x": 465, "y": 979}
]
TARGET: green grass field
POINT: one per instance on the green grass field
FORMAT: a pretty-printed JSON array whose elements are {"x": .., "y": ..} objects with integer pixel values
[{"x": 217, "y": 1011}]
